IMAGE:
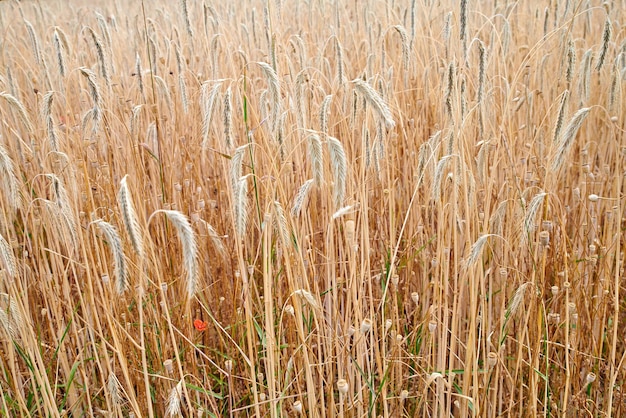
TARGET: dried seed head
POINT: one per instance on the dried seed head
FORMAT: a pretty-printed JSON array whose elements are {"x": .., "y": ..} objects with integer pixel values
[
  {"x": 432, "y": 327},
  {"x": 403, "y": 395},
  {"x": 593, "y": 198},
  {"x": 544, "y": 238},
  {"x": 289, "y": 309},
  {"x": 351, "y": 330},
  {"x": 228, "y": 365},
  {"x": 415, "y": 297},
  {"x": 297, "y": 406},
  {"x": 168, "y": 364},
  {"x": 492, "y": 359},
  {"x": 366, "y": 326},
  {"x": 342, "y": 386}
]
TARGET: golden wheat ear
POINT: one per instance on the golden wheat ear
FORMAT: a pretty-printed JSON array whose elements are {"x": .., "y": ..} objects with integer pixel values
[{"x": 129, "y": 216}]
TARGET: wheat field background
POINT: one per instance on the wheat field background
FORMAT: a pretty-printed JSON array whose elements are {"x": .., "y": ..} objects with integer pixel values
[{"x": 312, "y": 208}]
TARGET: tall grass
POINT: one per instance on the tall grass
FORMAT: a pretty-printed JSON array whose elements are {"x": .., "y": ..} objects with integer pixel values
[{"x": 202, "y": 215}]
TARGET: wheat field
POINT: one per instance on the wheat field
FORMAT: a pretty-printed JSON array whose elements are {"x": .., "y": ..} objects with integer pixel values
[{"x": 322, "y": 208}]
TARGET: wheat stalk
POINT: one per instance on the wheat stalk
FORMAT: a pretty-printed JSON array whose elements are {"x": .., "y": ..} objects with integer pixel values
[
  {"x": 7, "y": 257},
  {"x": 185, "y": 9},
  {"x": 560, "y": 117},
  {"x": 374, "y": 100},
  {"x": 96, "y": 97},
  {"x": 174, "y": 400},
  {"x": 606, "y": 38},
  {"x": 58, "y": 47},
  {"x": 301, "y": 198},
  {"x": 324, "y": 116},
  {"x": 317, "y": 162},
  {"x": 10, "y": 316},
  {"x": 567, "y": 139},
  {"x": 139, "y": 73},
  {"x": 34, "y": 42},
  {"x": 190, "y": 249},
  {"x": 19, "y": 108},
  {"x": 281, "y": 223},
  {"x": 129, "y": 217},
  {"x": 241, "y": 206},
  {"x": 274, "y": 90},
  {"x": 102, "y": 60},
  {"x": 207, "y": 102},
  {"x": 121, "y": 274},
  {"x": 228, "y": 119},
  {"x": 339, "y": 167},
  {"x": 181, "y": 80},
  {"x": 9, "y": 182},
  {"x": 46, "y": 115}
]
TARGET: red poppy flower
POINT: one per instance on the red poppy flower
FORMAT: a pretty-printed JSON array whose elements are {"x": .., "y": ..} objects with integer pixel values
[{"x": 200, "y": 325}]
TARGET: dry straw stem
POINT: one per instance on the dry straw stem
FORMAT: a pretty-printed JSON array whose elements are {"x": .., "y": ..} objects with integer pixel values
[
  {"x": 115, "y": 242},
  {"x": 190, "y": 249},
  {"x": 373, "y": 99},
  {"x": 129, "y": 216},
  {"x": 567, "y": 139},
  {"x": 8, "y": 179}
]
